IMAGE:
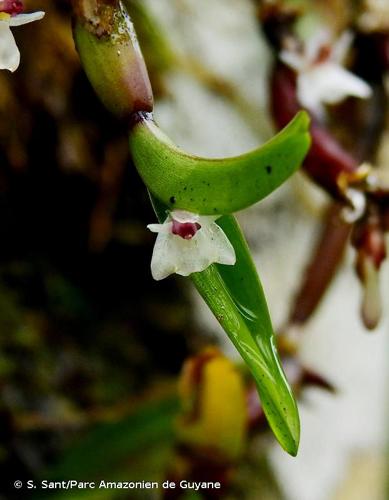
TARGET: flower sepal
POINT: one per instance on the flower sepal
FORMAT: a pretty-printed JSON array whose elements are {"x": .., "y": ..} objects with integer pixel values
[{"x": 11, "y": 15}]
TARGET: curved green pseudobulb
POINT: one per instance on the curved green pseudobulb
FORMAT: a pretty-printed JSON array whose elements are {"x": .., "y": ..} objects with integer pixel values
[
  {"x": 235, "y": 296},
  {"x": 216, "y": 186}
]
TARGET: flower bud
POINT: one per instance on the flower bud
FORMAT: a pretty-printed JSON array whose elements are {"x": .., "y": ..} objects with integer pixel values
[
  {"x": 369, "y": 241},
  {"x": 110, "y": 54},
  {"x": 371, "y": 308},
  {"x": 214, "y": 415}
]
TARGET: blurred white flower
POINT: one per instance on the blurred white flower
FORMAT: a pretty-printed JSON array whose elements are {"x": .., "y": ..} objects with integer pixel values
[
  {"x": 11, "y": 16},
  {"x": 321, "y": 78},
  {"x": 188, "y": 243}
]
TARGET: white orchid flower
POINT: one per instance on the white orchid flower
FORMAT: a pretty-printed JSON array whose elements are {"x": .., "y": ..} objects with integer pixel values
[
  {"x": 188, "y": 243},
  {"x": 10, "y": 16},
  {"x": 321, "y": 77}
]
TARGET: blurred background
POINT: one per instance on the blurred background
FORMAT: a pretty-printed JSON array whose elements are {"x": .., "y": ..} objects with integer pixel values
[{"x": 106, "y": 374}]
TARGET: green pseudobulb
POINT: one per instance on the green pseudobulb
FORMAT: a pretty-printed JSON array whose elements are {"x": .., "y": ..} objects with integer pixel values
[{"x": 216, "y": 186}]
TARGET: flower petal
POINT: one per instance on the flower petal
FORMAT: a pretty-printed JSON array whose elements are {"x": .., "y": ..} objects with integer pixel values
[
  {"x": 310, "y": 96},
  {"x": 165, "y": 228},
  {"x": 216, "y": 245},
  {"x": 293, "y": 60},
  {"x": 329, "y": 84},
  {"x": 341, "y": 47},
  {"x": 165, "y": 256},
  {"x": 183, "y": 216},
  {"x": 9, "y": 52},
  {"x": 348, "y": 84},
  {"x": 193, "y": 257},
  {"x": 21, "y": 19}
]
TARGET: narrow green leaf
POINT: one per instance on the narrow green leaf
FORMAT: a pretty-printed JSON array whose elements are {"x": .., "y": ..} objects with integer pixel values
[
  {"x": 216, "y": 186},
  {"x": 235, "y": 296}
]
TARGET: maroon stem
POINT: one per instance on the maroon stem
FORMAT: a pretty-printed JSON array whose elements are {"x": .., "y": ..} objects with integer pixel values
[
  {"x": 327, "y": 159},
  {"x": 324, "y": 262}
]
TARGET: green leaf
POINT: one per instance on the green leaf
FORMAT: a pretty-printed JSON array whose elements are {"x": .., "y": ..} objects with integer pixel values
[
  {"x": 216, "y": 186},
  {"x": 235, "y": 296}
]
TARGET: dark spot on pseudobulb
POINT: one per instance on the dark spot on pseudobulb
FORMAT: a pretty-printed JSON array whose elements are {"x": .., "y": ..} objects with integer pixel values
[
  {"x": 172, "y": 200},
  {"x": 269, "y": 169}
]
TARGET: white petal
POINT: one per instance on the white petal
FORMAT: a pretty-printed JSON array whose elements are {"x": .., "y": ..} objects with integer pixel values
[
  {"x": 193, "y": 256},
  {"x": 329, "y": 84},
  {"x": 165, "y": 256},
  {"x": 347, "y": 84},
  {"x": 9, "y": 52},
  {"x": 21, "y": 19},
  {"x": 341, "y": 83},
  {"x": 217, "y": 245},
  {"x": 293, "y": 60},
  {"x": 183, "y": 216},
  {"x": 208, "y": 219},
  {"x": 173, "y": 254},
  {"x": 341, "y": 47},
  {"x": 309, "y": 95},
  {"x": 165, "y": 228}
]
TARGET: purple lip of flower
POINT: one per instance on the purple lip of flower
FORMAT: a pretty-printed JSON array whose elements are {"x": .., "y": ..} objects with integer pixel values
[
  {"x": 324, "y": 54},
  {"x": 12, "y": 7},
  {"x": 185, "y": 230}
]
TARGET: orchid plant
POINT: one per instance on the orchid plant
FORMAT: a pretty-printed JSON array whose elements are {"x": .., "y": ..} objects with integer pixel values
[{"x": 194, "y": 199}]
